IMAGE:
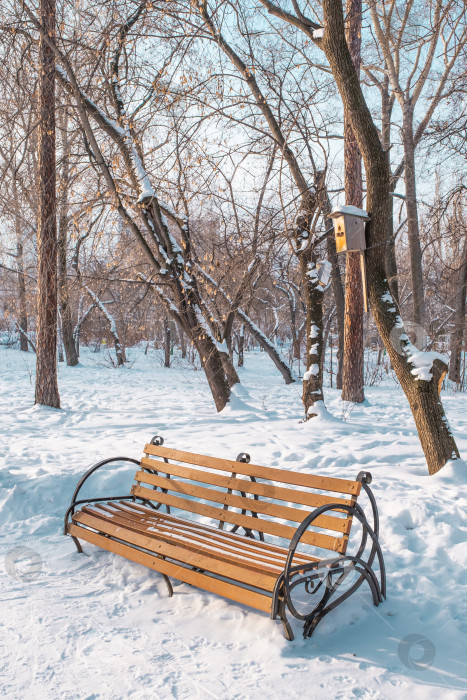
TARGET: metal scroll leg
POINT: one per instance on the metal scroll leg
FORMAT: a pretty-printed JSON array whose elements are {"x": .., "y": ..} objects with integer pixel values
[
  {"x": 320, "y": 611},
  {"x": 281, "y": 612},
  {"x": 168, "y": 584},
  {"x": 166, "y": 579},
  {"x": 78, "y": 544}
]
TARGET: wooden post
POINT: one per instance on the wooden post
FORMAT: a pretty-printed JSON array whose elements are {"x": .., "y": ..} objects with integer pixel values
[{"x": 364, "y": 284}]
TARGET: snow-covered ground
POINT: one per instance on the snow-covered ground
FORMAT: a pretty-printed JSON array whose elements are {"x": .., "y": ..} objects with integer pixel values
[{"x": 98, "y": 626}]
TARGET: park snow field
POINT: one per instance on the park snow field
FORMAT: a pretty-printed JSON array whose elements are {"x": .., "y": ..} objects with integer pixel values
[{"x": 98, "y": 626}]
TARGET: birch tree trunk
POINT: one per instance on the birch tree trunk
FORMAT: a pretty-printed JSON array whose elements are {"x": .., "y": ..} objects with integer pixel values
[
  {"x": 64, "y": 299},
  {"x": 457, "y": 334},
  {"x": 46, "y": 345},
  {"x": 313, "y": 377},
  {"x": 23, "y": 314}
]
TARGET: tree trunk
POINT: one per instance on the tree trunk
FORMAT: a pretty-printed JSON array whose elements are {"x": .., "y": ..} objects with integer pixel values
[
  {"x": 229, "y": 369},
  {"x": 387, "y": 104},
  {"x": 241, "y": 345},
  {"x": 23, "y": 314},
  {"x": 60, "y": 340},
  {"x": 424, "y": 399},
  {"x": 166, "y": 342},
  {"x": 391, "y": 263},
  {"x": 457, "y": 334},
  {"x": 79, "y": 325},
  {"x": 182, "y": 340},
  {"x": 313, "y": 377},
  {"x": 294, "y": 331},
  {"x": 268, "y": 347},
  {"x": 339, "y": 299},
  {"x": 313, "y": 295},
  {"x": 352, "y": 380},
  {"x": 295, "y": 344},
  {"x": 212, "y": 365},
  {"x": 293, "y": 326},
  {"x": 413, "y": 231},
  {"x": 46, "y": 346},
  {"x": 64, "y": 300}
]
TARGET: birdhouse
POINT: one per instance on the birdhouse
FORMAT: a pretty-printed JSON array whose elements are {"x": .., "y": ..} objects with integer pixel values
[
  {"x": 349, "y": 228},
  {"x": 324, "y": 270}
]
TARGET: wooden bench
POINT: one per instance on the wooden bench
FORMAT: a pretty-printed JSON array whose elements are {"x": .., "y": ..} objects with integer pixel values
[{"x": 218, "y": 515}]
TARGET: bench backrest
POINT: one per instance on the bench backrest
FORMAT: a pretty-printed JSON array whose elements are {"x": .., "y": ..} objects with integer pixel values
[{"x": 271, "y": 501}]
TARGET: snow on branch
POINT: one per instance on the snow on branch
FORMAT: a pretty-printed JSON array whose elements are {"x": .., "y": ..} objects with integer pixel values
[
  {"x": 113, "y": 326},
  {"x": 117, "y": 134},
  {"x": 160, "y": 292},
  {"x": 421, "y": 360}
]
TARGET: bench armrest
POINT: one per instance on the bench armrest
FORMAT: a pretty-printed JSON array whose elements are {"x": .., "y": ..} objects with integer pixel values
[
  {"x": 85, "y": 477},
  {"x": 323, "y": 571}
]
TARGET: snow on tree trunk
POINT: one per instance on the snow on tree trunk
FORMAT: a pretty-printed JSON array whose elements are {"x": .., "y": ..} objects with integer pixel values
[
  {"x": 119, "y": 351},
  {"x": 79, "y": 325},
  {"x": 64, "y": 299},
  {"x": 313, "y": 377}
]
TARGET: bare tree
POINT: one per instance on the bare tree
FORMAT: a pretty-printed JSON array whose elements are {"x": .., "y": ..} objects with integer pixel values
[
  {"x": 410, "y": 49},
  {"x": 303, "y": 236},
  {"x": 165, "y": 256},
  {"x": 422, "y": 391},
  {"x": 419, "y": 375}
]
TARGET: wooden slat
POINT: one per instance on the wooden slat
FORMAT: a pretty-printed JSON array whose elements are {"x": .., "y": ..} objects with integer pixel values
[
  {"x": 324, "y": 483},
  {"x": 263, "y": 580},
  {"x": 274, "y": 510},
  {"x": 195, "y": 543},
  {"x": 305, "y": 498},
  {"x": 240, "y": 540},
  {"x": 228, "y": 542},
  {"x": 207, "y": 583},
  {"x": 316, "y": 539}
]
